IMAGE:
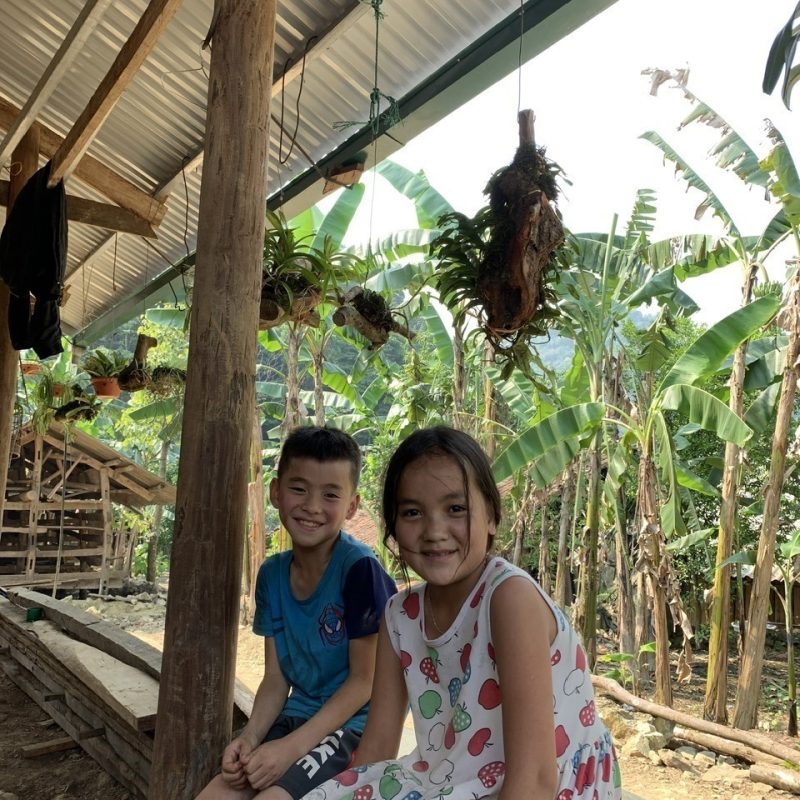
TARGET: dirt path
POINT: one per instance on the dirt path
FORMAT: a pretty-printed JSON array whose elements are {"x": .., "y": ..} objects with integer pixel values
[{"x": 72, "y": 775}]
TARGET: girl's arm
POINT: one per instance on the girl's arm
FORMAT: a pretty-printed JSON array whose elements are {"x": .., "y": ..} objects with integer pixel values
[
  {"x": 522, "y": 629},
  {"x": 388, "y": 706}
]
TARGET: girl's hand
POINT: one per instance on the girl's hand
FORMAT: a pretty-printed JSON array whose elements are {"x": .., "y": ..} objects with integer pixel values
[{"x": 268, "y": 762}]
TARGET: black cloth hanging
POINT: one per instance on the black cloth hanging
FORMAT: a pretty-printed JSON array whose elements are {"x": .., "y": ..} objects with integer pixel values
[{"x": 33, "y": 256}]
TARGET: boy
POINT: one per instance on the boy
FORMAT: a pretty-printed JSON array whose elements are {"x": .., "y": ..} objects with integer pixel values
[{"x": 318, "y": 606}]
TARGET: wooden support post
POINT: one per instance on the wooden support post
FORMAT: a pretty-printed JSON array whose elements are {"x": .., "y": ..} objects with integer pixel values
[
  {"x": 24, "y": 162},
  {"x": 33, "y": 508},
  {"x": 197, "y": 679}
]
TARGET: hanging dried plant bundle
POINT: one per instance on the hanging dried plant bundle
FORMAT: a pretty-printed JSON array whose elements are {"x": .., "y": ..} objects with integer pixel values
[
  {"x": 369, "y": 313},
  {"x": 525, "y": 231}
]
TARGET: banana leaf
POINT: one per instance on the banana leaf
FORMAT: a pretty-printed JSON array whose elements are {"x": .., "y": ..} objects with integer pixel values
[
  {"x": 706, "y": 411},
  {"x": 670, "y": 509},
  {"x": 710, "y": 349},
  {"x": 430, "y": 205},
  {"x": 710, "y": 200},
  {"x": 338, "y": 219},
  {"x": 761, "y": 413},
  {"x": 545, "y": 436}
]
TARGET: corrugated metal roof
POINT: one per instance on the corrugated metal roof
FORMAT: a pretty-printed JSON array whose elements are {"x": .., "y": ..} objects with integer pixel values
[{"x": 156, "y": 129}]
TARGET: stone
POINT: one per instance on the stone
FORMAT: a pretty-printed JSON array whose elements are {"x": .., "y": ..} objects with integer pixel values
[
  {"x": 724, "y": 774},
  {"x": 686, "y": 750},
  {"x": 676, "y": 760},
  {"x": 655, "y": 759},
  {"x": 619, "y": 723},
  {"x": 723, "y": 759},
  {"x": 637, "y": 746},
  {"x": 7, "y": 796},
  {"x": 705, "y": 759}
]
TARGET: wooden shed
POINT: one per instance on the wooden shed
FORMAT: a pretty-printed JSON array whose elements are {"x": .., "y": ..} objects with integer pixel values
[{"x": 58, "y": 527}]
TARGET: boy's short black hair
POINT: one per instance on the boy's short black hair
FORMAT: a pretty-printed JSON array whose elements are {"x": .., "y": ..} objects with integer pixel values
[{"x": 321, "y": 444}]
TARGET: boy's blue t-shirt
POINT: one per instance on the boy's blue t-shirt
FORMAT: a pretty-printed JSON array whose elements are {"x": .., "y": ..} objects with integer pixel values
[{"x": 312, "y": 636}]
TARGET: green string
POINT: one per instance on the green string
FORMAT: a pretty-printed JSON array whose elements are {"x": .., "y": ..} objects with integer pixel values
[{"x": 377, "y": 119}]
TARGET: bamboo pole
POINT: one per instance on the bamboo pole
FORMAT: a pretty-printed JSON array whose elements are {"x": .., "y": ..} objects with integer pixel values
[
  {"x": 24, "y": 162},
  {"x": 197, "y": 680}
]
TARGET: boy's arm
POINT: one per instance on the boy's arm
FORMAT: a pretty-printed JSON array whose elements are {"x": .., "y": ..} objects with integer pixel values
[
  {"x": 388, "y": 706},
  {"x": 273, "y": 758},
  {"x": 270, "y": 697},
  {"x": 522, "y": 653}
]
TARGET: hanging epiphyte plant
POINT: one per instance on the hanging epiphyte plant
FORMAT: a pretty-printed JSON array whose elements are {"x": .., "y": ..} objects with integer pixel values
[{"x": 501, "y": 262}]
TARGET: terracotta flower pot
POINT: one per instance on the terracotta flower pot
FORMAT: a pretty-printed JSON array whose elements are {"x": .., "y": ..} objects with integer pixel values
[
  {"x": 106, "y": 387},
  {"x": 31, "y": 367}
]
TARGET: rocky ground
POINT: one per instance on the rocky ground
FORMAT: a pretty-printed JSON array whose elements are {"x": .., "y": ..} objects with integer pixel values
[{"x": 650, "y": 770}]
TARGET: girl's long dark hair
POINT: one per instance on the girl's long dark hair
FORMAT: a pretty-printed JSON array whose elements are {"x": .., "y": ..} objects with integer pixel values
[{"x": 440, "y": 441}]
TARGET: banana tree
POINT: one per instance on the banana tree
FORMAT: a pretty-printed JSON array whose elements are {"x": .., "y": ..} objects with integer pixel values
[
  {"x": 603, "y": 278},
  {"x": 732, "y": 153},
  {"x": 545, "y": 448},
  {"x": 785, "y": 185}
]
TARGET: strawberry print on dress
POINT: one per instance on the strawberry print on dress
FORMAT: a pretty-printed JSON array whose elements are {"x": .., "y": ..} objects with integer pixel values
[{"x": 456, "y": 695}]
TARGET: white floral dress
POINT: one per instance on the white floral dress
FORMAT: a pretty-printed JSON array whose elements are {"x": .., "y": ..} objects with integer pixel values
[{"x": 455, "y": 699}]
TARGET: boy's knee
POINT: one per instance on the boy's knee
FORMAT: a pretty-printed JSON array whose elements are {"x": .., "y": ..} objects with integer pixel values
[{"x": 273, "y": 793}]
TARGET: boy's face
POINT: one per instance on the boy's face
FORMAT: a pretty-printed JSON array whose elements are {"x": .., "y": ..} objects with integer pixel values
[{"x": 313, "y": 499}]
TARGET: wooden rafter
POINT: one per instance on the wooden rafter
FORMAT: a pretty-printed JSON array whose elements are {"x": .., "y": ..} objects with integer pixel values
[
  {"x": 156, "y": 17},
  {"x": 86, "y": 21},
  {"x": 100, "y": 215},
  {"x": 94, "y": 173},
  {"x": 326, "y": 40}
]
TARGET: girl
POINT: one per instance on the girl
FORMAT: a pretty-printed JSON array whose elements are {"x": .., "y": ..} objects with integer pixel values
[{"x": 497, "y": 681}]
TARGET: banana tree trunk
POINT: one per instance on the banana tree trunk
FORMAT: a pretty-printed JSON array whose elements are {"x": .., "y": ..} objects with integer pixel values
[
  {"x": 791, "y": 680},
  {"x": 319, "y": 400},
  {"x": 749, "y": 689},
  {"x": 650, "y": 546},
  {"x": 585, "y": 615},
  {"x": 544, "y": 550},
  {"x": 291, "y": 415},
  {"x": 489, "y": 405},
  {"x": 459, "y": 377},
  {"x": 563, "y": 593},
  {"x": 625, "y": 615},
  {"x": 715, "y": 705},
  {"x": 152, "y": 545},
  {"x": 523, "y": 520}
]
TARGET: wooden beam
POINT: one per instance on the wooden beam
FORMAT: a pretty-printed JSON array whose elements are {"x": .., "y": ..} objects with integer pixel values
[
  {"x": 44, "y": 748},
  {"x": 94, "y": 173},
  {"x": 156, "y": 17},
  {"x": 198, "y": 675},
  {"x": 86, "y": 21},
  {"x": 100, "y": 215},
  {"x": 27, "y": 155}
]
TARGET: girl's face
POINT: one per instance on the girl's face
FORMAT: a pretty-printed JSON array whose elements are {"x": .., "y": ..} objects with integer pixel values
[{"x": 442, "y": 533}]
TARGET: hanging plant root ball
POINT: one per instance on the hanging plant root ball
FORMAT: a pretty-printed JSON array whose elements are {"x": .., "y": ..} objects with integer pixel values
[
  {"x": 525, "y": 232},
  {"x": 373, "y": 307}
]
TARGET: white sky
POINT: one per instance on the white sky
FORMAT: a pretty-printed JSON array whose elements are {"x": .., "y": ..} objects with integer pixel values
[{"x": 592, "y": 103}]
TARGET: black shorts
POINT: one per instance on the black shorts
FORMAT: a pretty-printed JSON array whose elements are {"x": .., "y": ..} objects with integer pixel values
[{"x": 330, "y": 757}]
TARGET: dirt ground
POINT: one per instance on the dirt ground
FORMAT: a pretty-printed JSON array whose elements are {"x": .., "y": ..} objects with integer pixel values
[{"x": 73, "y": 775}]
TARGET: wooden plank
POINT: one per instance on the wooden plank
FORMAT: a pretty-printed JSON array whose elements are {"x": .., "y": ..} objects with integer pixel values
[
  {"x": 108, "y": 521},
  {"x": 155, "y": 18},
  {"x": 90, "y": 15},
  {"x": 52, "y": 746},
  {"x": 95, "y": 174},
  {"x": 69, "y": 505},
  {"x": 33, "y": 510},
  {"x": 28, "y": 650},
  {"x": 71, "y": 723},
  {"x": 99, "y": 215}
]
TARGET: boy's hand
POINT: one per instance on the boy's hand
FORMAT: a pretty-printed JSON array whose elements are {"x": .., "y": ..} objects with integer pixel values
[
  {"x": 264, "y": 765},
  {"x": 233, "y": 761}
]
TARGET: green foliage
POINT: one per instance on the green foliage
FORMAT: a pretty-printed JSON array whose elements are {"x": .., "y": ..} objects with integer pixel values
[
  {"x": 781, "y": 59},
  {"x": 102, "y": 363}
]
